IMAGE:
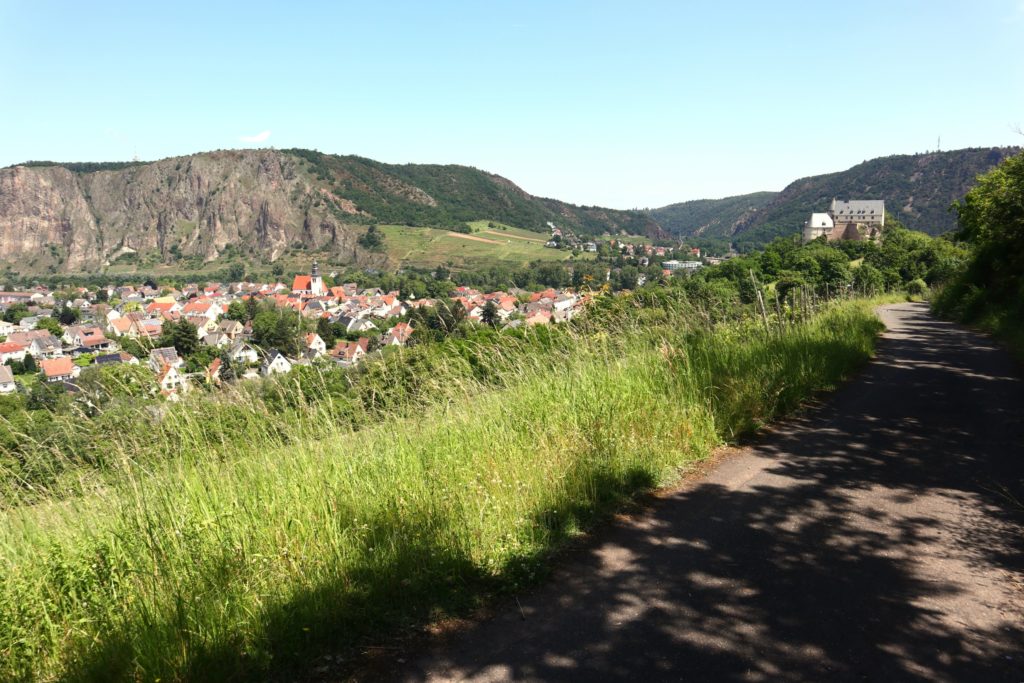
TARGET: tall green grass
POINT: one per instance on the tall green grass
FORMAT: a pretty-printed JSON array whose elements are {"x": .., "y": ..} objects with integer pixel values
[{"x": 317, "y": 532}]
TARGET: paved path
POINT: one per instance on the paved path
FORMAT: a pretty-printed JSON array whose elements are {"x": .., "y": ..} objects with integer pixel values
[{"x": 872, "y": 539}]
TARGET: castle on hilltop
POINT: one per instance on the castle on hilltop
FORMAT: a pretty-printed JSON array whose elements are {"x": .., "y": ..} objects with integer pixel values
[{"x": 859, "y": 219}]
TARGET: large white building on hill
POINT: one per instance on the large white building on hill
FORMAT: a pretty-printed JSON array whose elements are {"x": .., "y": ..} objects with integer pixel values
[{"x": 858, "y": 219}]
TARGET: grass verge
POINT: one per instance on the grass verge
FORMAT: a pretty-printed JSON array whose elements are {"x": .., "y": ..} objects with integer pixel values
[{"x": 213, "y": 568}]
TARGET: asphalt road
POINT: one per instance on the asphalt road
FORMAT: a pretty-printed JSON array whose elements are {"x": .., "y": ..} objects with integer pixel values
[{"x": 874, "y": 538}]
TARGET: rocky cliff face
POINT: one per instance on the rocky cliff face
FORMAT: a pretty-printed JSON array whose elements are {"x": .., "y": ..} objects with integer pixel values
[
  {"x": 258, "y": 202},
  {"x": 253, "y": 204},
  {"x": 43, "y": 211}
]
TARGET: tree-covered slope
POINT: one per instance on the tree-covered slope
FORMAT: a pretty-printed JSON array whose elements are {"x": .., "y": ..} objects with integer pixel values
[
  {"x": 917, "y": 188},
  {"x": 711, "y": 219}
]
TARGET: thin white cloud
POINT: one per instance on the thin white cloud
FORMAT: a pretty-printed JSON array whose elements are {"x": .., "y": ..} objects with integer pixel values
[{"x": 259, "y": 137}]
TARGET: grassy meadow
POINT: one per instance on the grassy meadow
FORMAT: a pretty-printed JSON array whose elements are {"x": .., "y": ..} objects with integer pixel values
[
  {"x": 427, "y": 247},
  {"x": 231, "y": 561}
]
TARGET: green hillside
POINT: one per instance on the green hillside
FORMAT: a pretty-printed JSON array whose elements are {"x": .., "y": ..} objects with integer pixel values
[
  {"x": 448, "y": 196},
  {"x": 711, "y": 220},
  {"x": 917, "y": 188},
  {"x": 427, "y": 247}
]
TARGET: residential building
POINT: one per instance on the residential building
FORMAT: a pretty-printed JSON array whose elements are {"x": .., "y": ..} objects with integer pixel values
[
  {"x": 10, "y": 351},
  {"x": 349, "y": 352},
  {"x": 167, "y": 355},
  {"x": 275, "y": 364},
  {"x": 59, "y": 369},
  {"x": 232, "y": 329},
  {"x": 398, "y": 335},
  {"x": 7, "y": 383},
  {"x": 315, "y": 344},
  {"x": 218, "y": 340},
  {"x": 171, "y": 380},
  {"x": 241, "y": 352}
]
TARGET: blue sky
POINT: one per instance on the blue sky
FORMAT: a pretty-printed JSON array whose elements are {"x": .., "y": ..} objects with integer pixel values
[{"x": 622, "y": 104}]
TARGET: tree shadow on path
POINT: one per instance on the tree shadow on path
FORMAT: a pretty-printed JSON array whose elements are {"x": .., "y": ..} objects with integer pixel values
[{"x": 874, "y": 538}]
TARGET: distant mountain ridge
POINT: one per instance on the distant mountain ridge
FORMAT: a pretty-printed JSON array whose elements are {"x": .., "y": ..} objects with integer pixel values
[
  {"x": 254, "y": 204},
  {"x": 917, "y": 188}
]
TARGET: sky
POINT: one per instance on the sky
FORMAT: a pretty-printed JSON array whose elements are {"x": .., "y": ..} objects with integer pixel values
[{"x": 620, "y": 104}]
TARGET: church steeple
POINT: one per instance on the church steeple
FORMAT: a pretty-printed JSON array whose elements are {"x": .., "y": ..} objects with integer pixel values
[{"x": 316, "y": 283}]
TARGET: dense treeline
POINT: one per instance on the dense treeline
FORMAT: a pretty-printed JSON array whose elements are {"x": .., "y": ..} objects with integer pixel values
[
  {"x": 449, "y": 196},
  {"x": 989, "y": 290},
  {"x": 84, "y": 166},
  {"x": 902, "y": 260}
]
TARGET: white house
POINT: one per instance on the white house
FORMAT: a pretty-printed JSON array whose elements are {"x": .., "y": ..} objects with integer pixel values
[
  {"x": 315, "y": 344},
  {"x": 7, "y": 384},
  {"x": 46, "y": 346},
  {"x": 218, "y": 340},
  {"x": 11, "y": 351},
  {"x": 59, "y": 369},
  {"x": 275, "y": 364},
  {"x": 171, "y": 381},
  {"x": 854, "y": 219},
  {"x": 243, "y": 353}
]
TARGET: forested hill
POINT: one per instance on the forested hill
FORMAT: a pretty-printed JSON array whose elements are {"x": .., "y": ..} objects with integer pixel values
[
  {"x": 711, "y": 218},
  {"x": 255, "y": 204},
  {"x": 917, "y": 188}
]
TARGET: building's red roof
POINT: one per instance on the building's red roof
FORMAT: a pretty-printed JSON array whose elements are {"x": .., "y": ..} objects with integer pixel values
[
  {"x": 301, "y": 283},
  {"x": 57, "y": 367}
]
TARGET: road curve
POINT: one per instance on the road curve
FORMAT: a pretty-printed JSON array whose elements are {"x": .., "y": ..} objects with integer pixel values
[{"x": 874, "y": 538}]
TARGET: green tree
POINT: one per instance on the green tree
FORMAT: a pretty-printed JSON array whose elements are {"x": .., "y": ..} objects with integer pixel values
[
  {"x": 182, "y": 335},
  {"x": 15, "y": 312},
  {"x": 489, "y": 316},
  {"x": 868, "y": 280},
  {"x": 47, "y": 396},
  {"x": 199, "y": 359},
  {"x": 50, "y": 325},
  {"x": 237, "y": 311},
  {"x": 68, "y": 315},
  {"x": 227, "y": 368},
  {"x": 372, "y": 239},
  {"x": 133, "y": 347},
  {"x": 326, "y": 330},
  {"x": 277, "y": 329}
]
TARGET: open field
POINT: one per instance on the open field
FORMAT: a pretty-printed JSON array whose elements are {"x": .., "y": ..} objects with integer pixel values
[
  {"x": 503, "y": 230},
  {"x": 432, "y": 247},
  {"x": 276, "y": 535},
  {"x": 506, "y": 235},
  {"x": 473, "y": 238}
]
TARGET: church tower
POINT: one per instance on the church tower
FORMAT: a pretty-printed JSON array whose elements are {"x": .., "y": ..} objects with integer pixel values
[{"x": 316, "y": 283}]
